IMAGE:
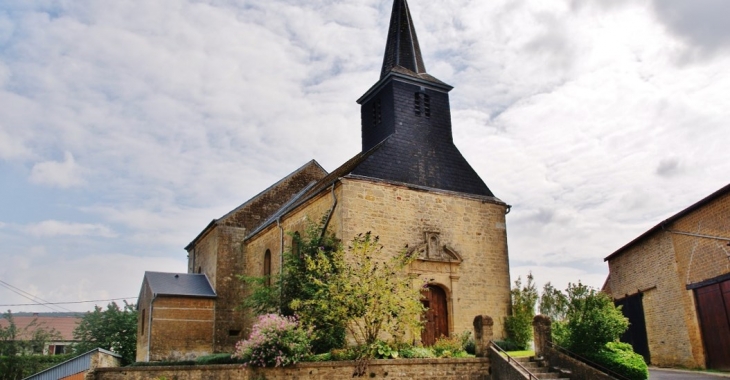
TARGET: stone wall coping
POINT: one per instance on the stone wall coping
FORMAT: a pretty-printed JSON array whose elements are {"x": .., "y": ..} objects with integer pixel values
[{"x": 375, "y": 362}]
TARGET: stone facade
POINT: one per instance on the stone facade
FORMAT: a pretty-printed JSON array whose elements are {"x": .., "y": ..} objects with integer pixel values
[
  {"x": 472, "y": 226},
  {"x": 663, "y": 264},
  {"x": 422, "y": 369}
]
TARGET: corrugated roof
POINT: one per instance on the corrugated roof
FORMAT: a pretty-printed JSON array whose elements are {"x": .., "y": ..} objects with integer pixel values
[
  {"x": 70, "y": 367},
  {"x": 64, "y": 325},
  {"x": 179, "y": 284},
  {"x": 670, "y": 220}
]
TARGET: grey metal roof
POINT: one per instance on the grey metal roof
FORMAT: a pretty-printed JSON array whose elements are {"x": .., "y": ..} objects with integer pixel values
[
  {"x": 70, "y": 367},
  {"x": 179, "y": 284}
]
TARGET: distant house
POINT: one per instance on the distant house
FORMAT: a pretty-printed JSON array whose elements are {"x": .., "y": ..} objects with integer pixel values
[
  {"x": 63, "y": 325},
  {"x": 674, "y": 284},
  {"x": 175, "y": 316},
  {"x": 78, "y": 367}
]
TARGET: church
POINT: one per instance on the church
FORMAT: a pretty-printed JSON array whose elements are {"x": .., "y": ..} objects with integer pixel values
[{"x": 409, "y": 185}]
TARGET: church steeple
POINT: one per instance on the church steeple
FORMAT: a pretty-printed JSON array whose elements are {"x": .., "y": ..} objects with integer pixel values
[
  {"x": 402, "y": 47},
  {"x": 406, "y": 120}
]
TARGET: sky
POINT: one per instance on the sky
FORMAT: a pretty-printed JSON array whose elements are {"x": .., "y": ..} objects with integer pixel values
[{"x": 127, "y": 126}]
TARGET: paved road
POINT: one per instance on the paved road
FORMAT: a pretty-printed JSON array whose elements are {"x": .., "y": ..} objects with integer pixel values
[{"x": 659, "y": 374}]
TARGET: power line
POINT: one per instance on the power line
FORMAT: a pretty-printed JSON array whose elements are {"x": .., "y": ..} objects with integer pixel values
[
  {"x": 28, "y": 296},
  {"x": 69, "y": 303}
]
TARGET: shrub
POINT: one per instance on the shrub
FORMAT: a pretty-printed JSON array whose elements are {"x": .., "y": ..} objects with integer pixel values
[
  {"x": 519, "y": 324},
  {"x": 217, "y": 359},
  {"x": 417, "y": 353},
  {"x": 508, "y": 345},
  {"x": 340, "y": 354},
  {"x": 447, "y": 347},
  {"x": 319, "y": 357},
  {"x": 593, "y": 319},
  {"x": 274, "y": 341},
  {"x": 382, "y": 350},
  {"x": 621, "y": 358}
]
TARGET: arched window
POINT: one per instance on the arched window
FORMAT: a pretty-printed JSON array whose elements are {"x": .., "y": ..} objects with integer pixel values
[
  {"x": 267, "y": 267},
  {"x": 295, "y": 244}
]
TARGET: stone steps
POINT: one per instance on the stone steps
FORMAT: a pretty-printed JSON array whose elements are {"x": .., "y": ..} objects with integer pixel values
[{"x": 542, "y": 373}]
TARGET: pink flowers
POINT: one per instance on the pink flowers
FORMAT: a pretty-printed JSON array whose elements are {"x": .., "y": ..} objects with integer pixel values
[{"x": 274, "y": 341}]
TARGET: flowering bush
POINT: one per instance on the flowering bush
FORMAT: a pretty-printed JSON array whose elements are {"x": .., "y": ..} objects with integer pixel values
[{"x": 275, "y": 341}]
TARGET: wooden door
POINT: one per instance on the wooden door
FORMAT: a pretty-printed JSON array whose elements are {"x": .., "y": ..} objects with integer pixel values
[
  {"x": 436, "y": 317},
  {"x": 713, "y": 307},
  {"x": 633, "y": 308}
]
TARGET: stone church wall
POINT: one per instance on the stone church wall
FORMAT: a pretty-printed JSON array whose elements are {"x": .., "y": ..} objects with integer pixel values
[
  {"x": 471, "y": 226},
  {"x": 400, "y": 216}
]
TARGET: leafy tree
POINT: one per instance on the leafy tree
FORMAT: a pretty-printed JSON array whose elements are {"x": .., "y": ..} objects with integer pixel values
[
  {"x": 592, "y": 319},
  {"x": 113, "y": 329},
  {"x": 372, "y": 293},
  {"x": 21, "y": 349},
  {"x": 553, "y": 303},
  {"x": 278, "y": 294},
  {"x": 519, "y": 324}
]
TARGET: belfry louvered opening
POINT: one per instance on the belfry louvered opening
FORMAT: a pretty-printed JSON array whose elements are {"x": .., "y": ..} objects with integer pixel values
[{"x": 422, "y": 104}]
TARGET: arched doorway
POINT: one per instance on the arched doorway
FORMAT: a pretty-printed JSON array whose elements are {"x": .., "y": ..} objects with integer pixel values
[{"x": 436, "y": 317}]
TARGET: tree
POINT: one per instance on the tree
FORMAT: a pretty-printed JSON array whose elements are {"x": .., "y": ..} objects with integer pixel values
[
  {"x": 113, "y": 329},
  {"x": 372, "y": 293},
  {"x": 519, "y": 324},
  {"x": 278, "y": 293},
  {"x": 21, "y": 349},
  {"x": 553, "y": 303},
  {"x": 592, "y": 319}
]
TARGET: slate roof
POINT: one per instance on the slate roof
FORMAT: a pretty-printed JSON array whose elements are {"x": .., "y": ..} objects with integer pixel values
[
  {"x": 179, "y": 284},
  {"x": 402, "y": 51},
  {"x": 670, "y": 220},
  {"x": 432, "y": 163}
]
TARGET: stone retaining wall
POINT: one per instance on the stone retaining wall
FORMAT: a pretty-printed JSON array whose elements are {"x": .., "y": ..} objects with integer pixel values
[{"x": 421, "y": 369}]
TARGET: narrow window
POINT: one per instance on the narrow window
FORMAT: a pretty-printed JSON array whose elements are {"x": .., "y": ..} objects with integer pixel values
[
  {"x": 427, "y": 105},
  {"x": 200, "y": 270},
  {"x": 267, "y": 267},
  {"x": 417, "y": 104},
  {"x": 141, "y": 332},
  {"x": 377, "y": 112}
]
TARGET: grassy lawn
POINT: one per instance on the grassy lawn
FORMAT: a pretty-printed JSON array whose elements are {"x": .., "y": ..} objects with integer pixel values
[{"x": 521, "y": 354}]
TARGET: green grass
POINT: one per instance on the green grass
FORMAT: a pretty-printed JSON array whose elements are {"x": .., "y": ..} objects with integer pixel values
[{"x": 521, "y": 354}]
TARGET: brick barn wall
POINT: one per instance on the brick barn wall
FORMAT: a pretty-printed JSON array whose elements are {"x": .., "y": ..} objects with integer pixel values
[
  {"x": 669, "y": 262},
  {"x": 182, "y": 328}
]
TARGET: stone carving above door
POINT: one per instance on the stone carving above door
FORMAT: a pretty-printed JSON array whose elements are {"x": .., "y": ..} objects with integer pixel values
[{"x": 432, "y": 250}]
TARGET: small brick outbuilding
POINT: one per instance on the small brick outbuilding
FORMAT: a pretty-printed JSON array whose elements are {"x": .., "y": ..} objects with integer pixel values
[
  {"x": 674, "y": 284},
  {"x": 175, "y": 316}
]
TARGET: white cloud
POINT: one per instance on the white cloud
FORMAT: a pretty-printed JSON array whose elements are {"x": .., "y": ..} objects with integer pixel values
[
  {"x": 60, "y": 174},
  {"x": 178, "y": 111},
  {"x": 50, "y": 228}
]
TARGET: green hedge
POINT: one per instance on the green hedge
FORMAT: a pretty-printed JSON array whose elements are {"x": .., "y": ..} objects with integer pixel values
[{"x": 621, "y": 358}]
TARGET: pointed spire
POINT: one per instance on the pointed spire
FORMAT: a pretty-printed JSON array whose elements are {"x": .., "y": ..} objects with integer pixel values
[{"x": 402, "y": 47}]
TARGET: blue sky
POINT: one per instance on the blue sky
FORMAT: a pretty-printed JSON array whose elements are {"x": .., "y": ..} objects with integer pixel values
[{"x": 126, "y": 126}]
